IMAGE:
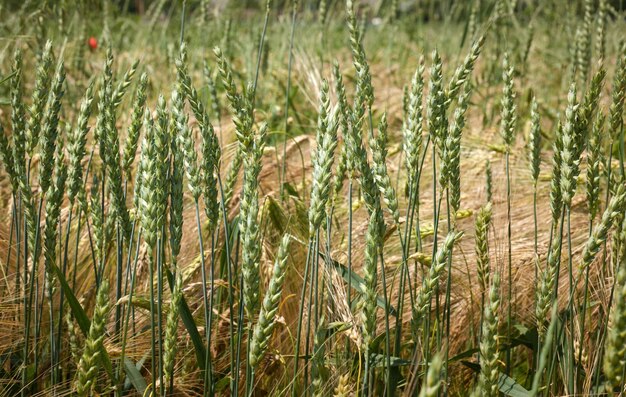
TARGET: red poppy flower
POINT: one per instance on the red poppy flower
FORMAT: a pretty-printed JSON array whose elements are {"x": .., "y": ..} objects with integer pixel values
[{"x": 93, "y": 43}]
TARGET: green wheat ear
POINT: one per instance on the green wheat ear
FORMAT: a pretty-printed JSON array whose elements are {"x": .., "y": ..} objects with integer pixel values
[
  {"x": 432, "y": 380},
  {"x": 77, "y": 141},
  {"x": 508, "y": 115},
  {"x": 6, "y": 158},
  {"x": 569, "y": 159},
  {"x": 420, "y": 310},
  {"x": 264, "y": 327},
  {"x": 250, "y": 230},
  {"x": 450, "y": 177},
  {"x": 370, "y": 276},
  {"x": 171, "y": 331},
  {"x": 15, "y": 158},
  {"x": 489, "y": 371},
  {"x": 594, "y": 161},
  {"x": 378, "y": 146},
  {"x": 436, "y": 104},
  {"x": 36, "y": 110},
  {"x": 613, "y": 211},
  {"x": 483, "y": 221},
  {"x": 132, "y": 137},
  {"x": 412, "y": 130},
  {"x": 322, "y": 160},
  {"x": 50, "y": 130},
  {"x": 618, "y": 95},
  {"x": 615, "y": 345},
  {"x": 86, "y": 375}
]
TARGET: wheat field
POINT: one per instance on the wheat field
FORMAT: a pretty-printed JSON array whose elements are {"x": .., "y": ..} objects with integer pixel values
[{"x": 316, "y": 197}]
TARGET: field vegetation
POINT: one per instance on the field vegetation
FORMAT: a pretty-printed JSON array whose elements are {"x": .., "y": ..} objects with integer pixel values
[{"x": 327, "y": 198}]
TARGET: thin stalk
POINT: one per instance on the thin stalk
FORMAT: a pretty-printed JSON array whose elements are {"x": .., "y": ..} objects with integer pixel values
[
  {"x": 509, "y": 260},
  {"x": 584, "y": 307},
  {"x": 537, "y": 354},
  {"x": 119, "y": 278},
  {"x": 153, "y": 356},
  {"x": 300, "y": 315},
  {"x": 283, "y": 166},
  {"x": 312, "y": 301},
  {"x": 260, "y": 54},
  {"x": 55, "y": 358},
  {"x": 207, "y": 330},
  {"x": 26, "y": 309},
  {"x": 28, "y": 298},
  {"x": 210, "y": 311},
  {"x": 349, "y": 291},
  {"x": 130, "y": 299},
  {"x": 448, "y": 305},
  {"x": 535, "y": 250},
  {"x": 388, "y": 390},
  {"x": 231, "y": 291},
  {"x": 130, "y": 274},
  {"x": 240, "y": 315},
  {"x": 159, "y": 262},
  {"x": 18, "y": 230},
  {"x": 571, "y": 383}
]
